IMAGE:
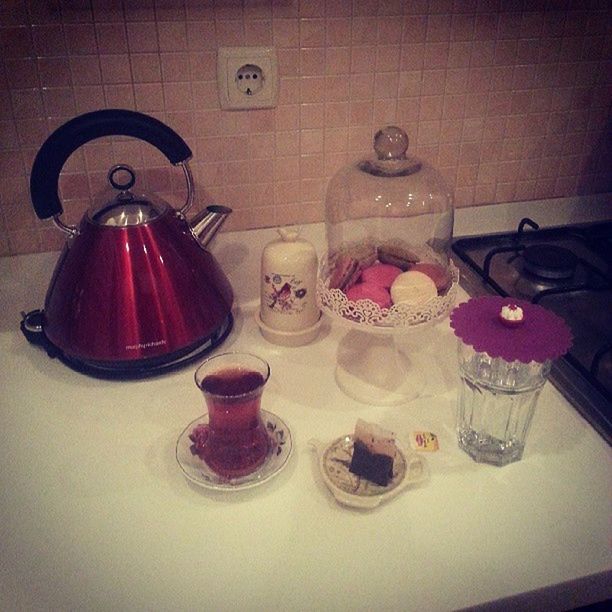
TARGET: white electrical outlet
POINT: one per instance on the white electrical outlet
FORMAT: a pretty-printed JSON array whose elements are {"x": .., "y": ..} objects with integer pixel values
[{"x": 247, "y": 77}]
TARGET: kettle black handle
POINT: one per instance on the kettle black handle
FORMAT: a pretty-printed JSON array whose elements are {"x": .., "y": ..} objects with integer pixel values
[{"x": 49, "y": 161}]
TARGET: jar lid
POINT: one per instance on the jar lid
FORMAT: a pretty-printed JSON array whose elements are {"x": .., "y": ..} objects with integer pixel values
[
  {"x": 515, "y": 330},
  {"x": 289, "y": 244}
]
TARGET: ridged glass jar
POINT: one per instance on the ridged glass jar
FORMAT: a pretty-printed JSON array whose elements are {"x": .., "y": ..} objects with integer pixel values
[{"x": 496, "y": 403}]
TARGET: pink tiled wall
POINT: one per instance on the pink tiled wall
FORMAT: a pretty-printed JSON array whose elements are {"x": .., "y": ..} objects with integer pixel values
[{"x": 509, "y": 98}]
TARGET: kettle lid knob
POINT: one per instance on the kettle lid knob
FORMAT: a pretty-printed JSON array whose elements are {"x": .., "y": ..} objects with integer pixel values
[{"x": 119, "y": 171}]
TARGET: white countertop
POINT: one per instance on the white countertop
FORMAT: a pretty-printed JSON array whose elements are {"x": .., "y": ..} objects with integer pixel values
[{"x": 96, "y": 514}]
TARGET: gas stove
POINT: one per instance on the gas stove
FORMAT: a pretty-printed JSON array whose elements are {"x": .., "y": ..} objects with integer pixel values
[{"x": 569, "y": 271}]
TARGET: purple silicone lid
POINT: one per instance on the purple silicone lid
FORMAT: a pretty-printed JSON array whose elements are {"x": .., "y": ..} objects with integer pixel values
[{"x": 541, "y": 335}]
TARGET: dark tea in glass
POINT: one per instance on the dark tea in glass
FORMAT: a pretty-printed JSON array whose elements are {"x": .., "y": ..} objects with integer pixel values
[{"x": 235, "y": 442}]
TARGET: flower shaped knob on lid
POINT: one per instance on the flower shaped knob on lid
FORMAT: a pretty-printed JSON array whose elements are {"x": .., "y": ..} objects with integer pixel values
[
  {"x": 511, "y": 315},
  {"x": 494, "y": 325}
]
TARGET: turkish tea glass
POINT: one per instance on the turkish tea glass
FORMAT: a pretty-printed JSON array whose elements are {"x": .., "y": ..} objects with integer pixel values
[{"x": 236, "y": 442}]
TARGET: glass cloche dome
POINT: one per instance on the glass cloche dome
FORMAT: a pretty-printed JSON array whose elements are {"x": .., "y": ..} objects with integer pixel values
[{"x": 388, "y": 200}]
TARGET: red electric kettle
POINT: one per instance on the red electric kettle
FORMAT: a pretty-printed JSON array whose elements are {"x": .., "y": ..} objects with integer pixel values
[{"x": 135, "y": 292}]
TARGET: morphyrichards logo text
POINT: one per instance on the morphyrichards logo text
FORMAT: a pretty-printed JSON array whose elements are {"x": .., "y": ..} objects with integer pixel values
[{"x": 144, "y": 345}]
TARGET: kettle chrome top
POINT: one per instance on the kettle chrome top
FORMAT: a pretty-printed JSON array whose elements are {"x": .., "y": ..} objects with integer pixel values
[{"x": 127, "y": 208}]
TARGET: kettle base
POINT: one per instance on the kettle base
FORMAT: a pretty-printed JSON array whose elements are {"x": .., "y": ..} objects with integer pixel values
[{"x": 33, "y": 329}]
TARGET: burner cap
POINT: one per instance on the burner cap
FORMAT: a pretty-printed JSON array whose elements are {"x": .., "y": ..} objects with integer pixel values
[{"x": 549, "y": 261}]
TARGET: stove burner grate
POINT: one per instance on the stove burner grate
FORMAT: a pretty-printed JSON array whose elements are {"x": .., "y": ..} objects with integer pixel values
[{"x": 549, "y": 261}]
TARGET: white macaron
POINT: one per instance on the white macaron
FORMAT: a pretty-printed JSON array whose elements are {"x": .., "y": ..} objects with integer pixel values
[{"x": 413, "y": 288}]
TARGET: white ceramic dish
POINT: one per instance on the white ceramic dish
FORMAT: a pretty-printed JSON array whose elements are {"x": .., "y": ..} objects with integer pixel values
[
  {"x": 351, "y": 490},
  {"x": 197, "y": 471}
]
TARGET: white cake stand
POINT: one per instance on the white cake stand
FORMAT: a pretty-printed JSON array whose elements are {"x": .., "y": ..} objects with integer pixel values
[{"x": 383, "y": 358}]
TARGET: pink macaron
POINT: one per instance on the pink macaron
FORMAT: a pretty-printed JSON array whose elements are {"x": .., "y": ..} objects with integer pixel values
[
  {"x": 369, "y": 291},
  {"x": 380, "y": 274}
]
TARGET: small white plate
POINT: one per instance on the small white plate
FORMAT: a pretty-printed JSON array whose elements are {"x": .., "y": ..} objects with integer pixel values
[
  {"x": 197, "y": 471},
  {"x": 352, "y": 490}
]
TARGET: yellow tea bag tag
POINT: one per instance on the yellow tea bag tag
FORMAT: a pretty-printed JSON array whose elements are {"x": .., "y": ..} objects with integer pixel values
[{"x": 424, "y": 441}]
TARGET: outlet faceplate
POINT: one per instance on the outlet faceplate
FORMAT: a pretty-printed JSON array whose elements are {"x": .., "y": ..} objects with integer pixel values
[{"x": 247, "y": 77}]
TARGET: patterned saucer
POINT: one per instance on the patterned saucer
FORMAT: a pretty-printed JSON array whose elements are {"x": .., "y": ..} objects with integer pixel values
[
  {"x": 197, "y": 471},
  {"x": 352, "y": 490}
]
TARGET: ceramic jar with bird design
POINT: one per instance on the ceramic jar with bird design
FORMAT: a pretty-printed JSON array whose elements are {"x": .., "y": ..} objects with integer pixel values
[{"x": 288, "y": 313}]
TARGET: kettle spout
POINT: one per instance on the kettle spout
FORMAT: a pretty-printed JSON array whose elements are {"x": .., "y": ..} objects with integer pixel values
[{"x": 206, "y": 223}]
